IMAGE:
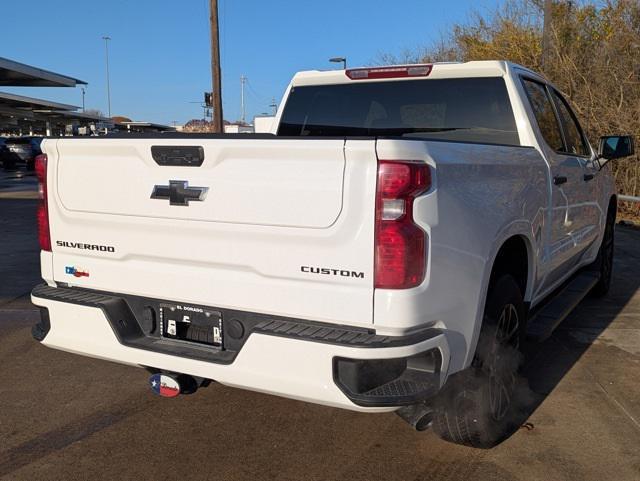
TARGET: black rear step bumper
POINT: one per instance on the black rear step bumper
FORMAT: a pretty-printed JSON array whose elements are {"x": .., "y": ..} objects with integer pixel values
[
  {"x": 366, "y": 382},
  {"x": 389, "y": 382}
]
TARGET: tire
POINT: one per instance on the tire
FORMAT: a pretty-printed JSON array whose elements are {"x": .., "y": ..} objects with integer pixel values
[
  {"x": 477, "y": 406},
  {"x": 604, "y": 262}
]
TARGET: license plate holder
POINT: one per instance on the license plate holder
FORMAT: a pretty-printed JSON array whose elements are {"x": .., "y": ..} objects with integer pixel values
[{"x": 197, "y": 324}]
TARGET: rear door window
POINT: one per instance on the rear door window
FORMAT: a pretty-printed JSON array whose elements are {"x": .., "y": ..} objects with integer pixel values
[
  {"x": 467, "y": 109},
  {"x": 576, "y": 143},
  {"x": 544, "y": 113}
]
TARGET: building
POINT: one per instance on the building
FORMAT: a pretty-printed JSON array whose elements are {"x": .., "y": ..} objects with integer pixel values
[
  {"x": 238, "y": 128},
  {"x": 262, "y": 124}
]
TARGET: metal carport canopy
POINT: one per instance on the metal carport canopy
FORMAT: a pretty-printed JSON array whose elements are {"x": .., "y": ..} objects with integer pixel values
[
  {"x": 16, "y": 74},
  {"x": 29, "y": 103},
  {"x": 71, "y": 116}
]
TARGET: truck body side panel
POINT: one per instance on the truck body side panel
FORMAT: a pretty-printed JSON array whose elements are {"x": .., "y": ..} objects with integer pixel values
[{"x": 482, "y": 195}]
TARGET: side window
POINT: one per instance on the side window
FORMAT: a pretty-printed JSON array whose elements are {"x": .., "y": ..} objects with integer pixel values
[
  {"x": 576, "y": 143},
  {"x": 545, "y": 115}
]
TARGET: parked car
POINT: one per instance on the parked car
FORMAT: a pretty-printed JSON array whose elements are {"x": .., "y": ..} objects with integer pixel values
[
  {"x": 25, "y": 149},
  {"x": 387, "y": 250},
  {"x": 7, "y": 159},
  {"x": 35, "y": 145}
]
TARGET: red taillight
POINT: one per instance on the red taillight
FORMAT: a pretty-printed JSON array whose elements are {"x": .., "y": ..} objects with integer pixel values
[
  {"x": 400, "y": 244},
  {"x": 43, "y": 212},
  {"x": 405, "y": 71}
]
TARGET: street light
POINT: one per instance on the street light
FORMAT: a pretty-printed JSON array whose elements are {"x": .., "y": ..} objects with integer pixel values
[
  {"x": 342, "y": 60},
  {"x": 83, "y": 92},
  {"x": 106, "y": 39}
]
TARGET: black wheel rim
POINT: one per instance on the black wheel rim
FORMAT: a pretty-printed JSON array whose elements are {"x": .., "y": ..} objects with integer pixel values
[
  {"x": 501, "y": 373},
  {"x": 508, "y": 327}
]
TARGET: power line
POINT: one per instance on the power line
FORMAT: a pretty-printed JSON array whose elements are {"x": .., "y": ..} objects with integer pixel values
[
  {"x": 263, "y": 100},
  {"x": 253, "y": 91}
]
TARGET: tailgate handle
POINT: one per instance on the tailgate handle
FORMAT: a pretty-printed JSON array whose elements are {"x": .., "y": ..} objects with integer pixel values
[{"x": 177, "y": 155}]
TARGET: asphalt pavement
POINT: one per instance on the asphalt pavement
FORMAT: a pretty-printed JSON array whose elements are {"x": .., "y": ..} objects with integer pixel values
[
  {"x": 17, "y": 184},
  {"x": 66, "y": 417}
]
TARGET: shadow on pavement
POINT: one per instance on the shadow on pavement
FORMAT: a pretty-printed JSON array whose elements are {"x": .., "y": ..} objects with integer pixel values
[
  {"x": 19, "y": 253},
  {"x": 547, "y": 363}
]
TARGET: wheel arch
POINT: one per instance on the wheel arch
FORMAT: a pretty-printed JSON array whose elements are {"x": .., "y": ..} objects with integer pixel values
[
  {"x": 517, "y": 244},
  {"x": 515, "y": 257}
]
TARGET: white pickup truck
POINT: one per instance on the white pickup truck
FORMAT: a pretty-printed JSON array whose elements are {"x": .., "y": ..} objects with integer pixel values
[{"x": 386, "y": 248}]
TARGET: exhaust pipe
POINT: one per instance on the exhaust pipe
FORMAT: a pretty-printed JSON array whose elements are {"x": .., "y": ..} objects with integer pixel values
[
  {"x": 418, "y": 416},
  {"x": 167, "y": 384}
]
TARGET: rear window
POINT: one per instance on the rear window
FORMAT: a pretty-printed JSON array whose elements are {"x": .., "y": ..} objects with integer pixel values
[{"x": 468, "y": 109}]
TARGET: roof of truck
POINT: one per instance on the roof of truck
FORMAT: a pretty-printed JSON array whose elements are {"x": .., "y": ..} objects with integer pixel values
[{"x": 483, "y": 68}]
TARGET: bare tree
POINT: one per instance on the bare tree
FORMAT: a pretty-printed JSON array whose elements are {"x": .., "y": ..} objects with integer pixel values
[{"x": 593, "y": 57}]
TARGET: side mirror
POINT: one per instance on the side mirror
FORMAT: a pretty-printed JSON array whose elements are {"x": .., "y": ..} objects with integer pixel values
[{"x": 615, "y": 147}]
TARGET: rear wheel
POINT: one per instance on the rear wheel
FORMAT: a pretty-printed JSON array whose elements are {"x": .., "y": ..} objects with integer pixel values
[
  {"x": 604, "y": 262},
  {"x": 477, "y": 406}
]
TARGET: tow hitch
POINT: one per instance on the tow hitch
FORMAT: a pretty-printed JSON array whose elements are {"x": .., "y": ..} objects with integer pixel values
[{"x": 170, "y": 384}]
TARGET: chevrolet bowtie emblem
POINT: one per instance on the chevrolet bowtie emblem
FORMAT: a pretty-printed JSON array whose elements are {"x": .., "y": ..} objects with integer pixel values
[{"x": 178, "y": 192}]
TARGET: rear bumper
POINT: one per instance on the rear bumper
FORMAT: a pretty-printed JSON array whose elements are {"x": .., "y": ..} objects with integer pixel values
[{"x": 330, "y": 365}]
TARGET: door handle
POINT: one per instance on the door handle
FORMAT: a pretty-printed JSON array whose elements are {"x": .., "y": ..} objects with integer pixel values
[
  {"x": 588, "y": 177},
  {"x": 559, "y": 180}
]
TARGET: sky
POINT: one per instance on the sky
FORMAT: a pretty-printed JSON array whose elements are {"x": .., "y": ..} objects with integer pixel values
[{"x": 159, "y": 55}]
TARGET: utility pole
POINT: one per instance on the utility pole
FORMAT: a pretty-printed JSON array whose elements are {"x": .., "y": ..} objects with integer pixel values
[
  {"x": 546, "y": 32},
  {"x": 218, "y": 123},
  {"x": 243, "y": 81},
  {"x": 106, "y": 39}
]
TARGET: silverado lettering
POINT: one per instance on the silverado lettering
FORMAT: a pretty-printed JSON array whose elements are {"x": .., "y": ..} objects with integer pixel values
[{"x": 83, "y": 246}]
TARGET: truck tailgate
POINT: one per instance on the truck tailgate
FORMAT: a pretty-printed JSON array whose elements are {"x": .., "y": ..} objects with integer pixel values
[
  {"x": 285, "y": 226},
  {"x": 258, "y": 182}
]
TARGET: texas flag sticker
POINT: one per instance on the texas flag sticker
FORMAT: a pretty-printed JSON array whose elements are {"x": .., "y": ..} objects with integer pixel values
[
  {"x": 75, "y": 271},
  {"x": 164, "y": 386}
]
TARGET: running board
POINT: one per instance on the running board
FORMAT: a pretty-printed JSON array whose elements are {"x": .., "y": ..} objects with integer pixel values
[{"x": 543, "y": 322}]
